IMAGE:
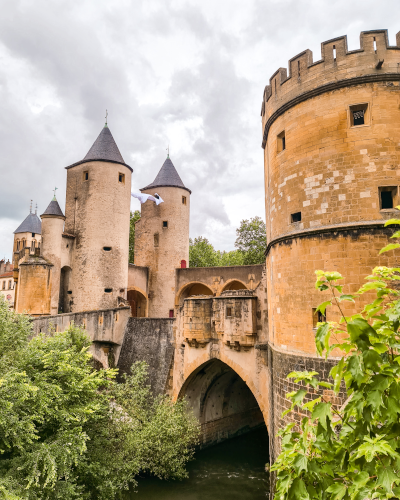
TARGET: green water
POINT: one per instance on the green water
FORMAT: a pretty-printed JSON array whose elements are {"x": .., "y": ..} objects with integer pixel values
[{"x": 228, "y": 471}]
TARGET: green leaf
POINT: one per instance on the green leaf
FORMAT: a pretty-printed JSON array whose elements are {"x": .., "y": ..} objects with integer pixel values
[
  {"x": 300, "y": 463},
  {"x": 374, "y": 399},
  {"x": 392, "y": 221},
  {"x": 310, "y": 405},
  {"x": 358, "y": 327},
  {"x": 346, "y": 297},
  {"x": 372, "y": 360},
  {"x": 322, "y": 337},
  {"x": 297, "y": 397},
  {"x": 338, "y": 490},
  {"x": 391, "y": 246},
  {"x": 337, "y": 375},
  {"x": 322, "y": 307},
  {"x": 322, "y": 411},
  {"x": 298, "y": 490},
  {"x": 386, "y": 478}
]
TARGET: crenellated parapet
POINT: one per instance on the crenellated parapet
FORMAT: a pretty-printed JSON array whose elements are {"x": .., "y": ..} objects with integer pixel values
[{"x": 374, "y": 61}]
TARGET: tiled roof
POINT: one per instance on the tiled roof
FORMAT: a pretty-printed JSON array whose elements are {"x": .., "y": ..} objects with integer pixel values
[
  {"x": 167, "y": 176},
  {"x": 53, "y": 209},
  {"x": 6, "y": 275},
  {"x": 31, "y": 224},
  {"x": 103, "y": 149}
]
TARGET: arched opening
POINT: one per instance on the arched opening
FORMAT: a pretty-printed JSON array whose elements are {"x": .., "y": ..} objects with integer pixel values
[
  {"x": 65, "y": 299},
  {"x": 138, "y": 303},
  {"x": 194, "y": 289},
  {"x": 234, "y": 285},
  {"x": 222, "y": 402}
]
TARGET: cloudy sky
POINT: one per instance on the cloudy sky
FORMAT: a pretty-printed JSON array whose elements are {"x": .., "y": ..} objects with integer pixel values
[{"x": 189, "y": 73}]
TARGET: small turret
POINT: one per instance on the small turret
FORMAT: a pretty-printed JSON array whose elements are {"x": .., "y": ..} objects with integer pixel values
[
  {"x": 162, "y": 238},
  {"x": 52, "y": 229}
]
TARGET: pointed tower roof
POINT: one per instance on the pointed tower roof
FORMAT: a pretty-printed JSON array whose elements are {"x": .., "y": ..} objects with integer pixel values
[
  {"x": 31, "y": 224},
  {"x": 104, "y": 149},
  {"x": 53, "y": 210},
  {"x": 167, "y": 177}
]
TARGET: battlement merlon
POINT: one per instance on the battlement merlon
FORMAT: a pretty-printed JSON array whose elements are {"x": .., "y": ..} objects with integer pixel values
[{"x": 338, "y": 67}]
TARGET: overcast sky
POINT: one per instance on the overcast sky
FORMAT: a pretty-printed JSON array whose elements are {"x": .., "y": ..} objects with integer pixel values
[{"x": 186, "y": 73}]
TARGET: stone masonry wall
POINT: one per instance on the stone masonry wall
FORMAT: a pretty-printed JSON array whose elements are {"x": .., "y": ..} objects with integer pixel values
[{"x": 150, "y": 340}]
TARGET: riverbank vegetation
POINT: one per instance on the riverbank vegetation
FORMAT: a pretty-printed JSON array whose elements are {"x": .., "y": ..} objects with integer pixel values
[
  {"x": 350, "y": 451},
  {"x": 68, "y": 431}
]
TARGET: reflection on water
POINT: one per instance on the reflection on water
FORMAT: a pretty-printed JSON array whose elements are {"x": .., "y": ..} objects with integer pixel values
[{"x": 231, "y": 470}]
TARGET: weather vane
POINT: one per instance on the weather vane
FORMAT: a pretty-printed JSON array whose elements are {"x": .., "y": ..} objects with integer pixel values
[
  {"x": 54, "y": 191},
  {"x": 168, "y": 150},
  {"x": 30, "y": 208},
  {"x": 106, "y": 117}
]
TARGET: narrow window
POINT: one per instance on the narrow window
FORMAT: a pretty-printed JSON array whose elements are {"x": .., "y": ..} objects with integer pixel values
[
  {"x": 107, "y": 249},
  {"x": 18, "y": 242},
  {"x": 171, "y": 313},
  {"x": 298, "y": 69},
  {"x": 4, "y": 285},
  {"x": 228, "y": 312},
  {"x": 317, "y": 317},
  {"x": 183, "y": 264},
  {"x": 375, "y": 45},
  {"x": 334, "y": 52},
  {"x": 100, "y": 320},
  {"x": 295, "y": 217},
  {"x": 275, "y": 86},
  {"x": 69, "y": 292},
  {"x": 33, "y": 235},
  {"x": 108, "y": 290},
  {"x": 184, "y": 200},
  {"x": 165, "y": 223},
  {"x": 121, "y": 178},
  {"x": 387, "y": 197},
  {"x": 358, "y": 115},
  {"x": 86, "y": 175},
  {"x": 156, "y": 240},
  {"x": 10, "y": 285},
  {"x": 281, "y": 140}
]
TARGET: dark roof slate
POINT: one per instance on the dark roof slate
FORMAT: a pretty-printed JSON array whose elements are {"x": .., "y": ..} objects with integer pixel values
[
  {"x": 104, "y": 149},
  {"x": 31, "y": 224},
  {"x": 53, "y": 209},
  {"x": 167, "y": 177}
]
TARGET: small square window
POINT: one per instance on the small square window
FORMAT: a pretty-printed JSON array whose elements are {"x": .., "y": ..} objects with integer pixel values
[
  {"x": 121, "y": 178},
  {"x": 358, "y": 115},
  {"x": 318, "y": 317},
  {"x": 228, "y": 312},
  {"x": 295, "y": 217},
  {"x": 184, "y": 200},
  {"x": 86, "y": 176},
  {"x": 281, "y": 142},
  {"x": 165, "y": 223},
  {"x": 387, "y": 197},
  {"x": 171, "y": 313}
]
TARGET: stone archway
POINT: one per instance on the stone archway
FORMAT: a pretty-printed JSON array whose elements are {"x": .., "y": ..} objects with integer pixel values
[
  {"x": 222, "y": 401},
  {"x": 191, "y": 289},
  {"x": 138, "y": 303},
  {"x": 233, "y": 285}
]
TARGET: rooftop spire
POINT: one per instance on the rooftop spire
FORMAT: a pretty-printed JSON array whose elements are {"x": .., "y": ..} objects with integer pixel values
[
  {"x": 106, "y": 118},
  {"x": 53, "y": 208},
  {"x": 167, "y": 177},
  {"x": 30, "y": 207}
]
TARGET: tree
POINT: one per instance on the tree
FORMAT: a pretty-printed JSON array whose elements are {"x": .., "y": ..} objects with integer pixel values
[
  {"x": 68, "y": 431},
  {"x": 202, "y": 253},
  {"x": 351, "y": 452},
  {"x": 135, "y": 216},
  {"x": 251, "y": 240},
  {"x": 232, "y": 258}
]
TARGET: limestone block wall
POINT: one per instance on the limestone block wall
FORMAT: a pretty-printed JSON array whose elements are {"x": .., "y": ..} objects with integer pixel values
[
  {"x": 97, "y": 214},
  {"x": 150, "y": 340},
  {"x": 106, "y": 327},
  {"x": 197, "y": 318},
  {"x": 161, "y": 243}
]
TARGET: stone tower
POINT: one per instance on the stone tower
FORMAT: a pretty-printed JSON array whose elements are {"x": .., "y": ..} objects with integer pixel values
[
  {"x": 52, "y": 230},
  {"x": 162, "y": 238},
  {"x": 331, "y": 139},
  {"x": 97, "y": 215}
]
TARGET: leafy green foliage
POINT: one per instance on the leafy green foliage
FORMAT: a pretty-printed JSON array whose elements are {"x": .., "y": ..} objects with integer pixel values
[
  {"x": 251, "y": 240},
  {"x": 350, "y": 452},
  {"x": 251, "y": 243},
  {"x": 68, "y": 431},
  {"x": 135, "y": 216}
]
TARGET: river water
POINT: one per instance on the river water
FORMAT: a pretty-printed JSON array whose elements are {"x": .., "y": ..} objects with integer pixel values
[{"x": 231, "y": 470}]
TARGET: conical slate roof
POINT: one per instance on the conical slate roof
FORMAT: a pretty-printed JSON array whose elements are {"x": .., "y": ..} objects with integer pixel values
[
  {"x": 31, "y": 224},
  {"x": 104, "y": 149},
  {"x": 167, "y": 177},
  {"x": 53, "y": 209}
]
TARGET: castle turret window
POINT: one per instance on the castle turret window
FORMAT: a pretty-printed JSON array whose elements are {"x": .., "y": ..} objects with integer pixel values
[
  {"x": 165, "y": 223},
  {"x": 387, "y": 197},
  {"x": 295, "y": 217},
  {"x": 86, "y": 175},
  {"x": 358, "y": 115},
  {"x": 121, "y": 178},
  {"x": 184, "y": 200},
  {"x": 281, "y": 142},
  {"x": 318, "y": 317}
]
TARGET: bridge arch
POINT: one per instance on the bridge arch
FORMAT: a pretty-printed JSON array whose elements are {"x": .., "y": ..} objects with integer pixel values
[
  {"x": 223, "y": 402},
  {"x": 190, "y": 289}
]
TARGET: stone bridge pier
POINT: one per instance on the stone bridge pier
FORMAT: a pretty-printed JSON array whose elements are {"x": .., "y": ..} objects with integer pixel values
[{"x": 219, "y": 366}]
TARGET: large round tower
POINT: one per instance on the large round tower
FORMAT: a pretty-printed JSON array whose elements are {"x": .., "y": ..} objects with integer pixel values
[
  {"x": 162, "y": 238},
  {"x": 331, "y": 139},
  {"x": 97, "y": 214}
]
